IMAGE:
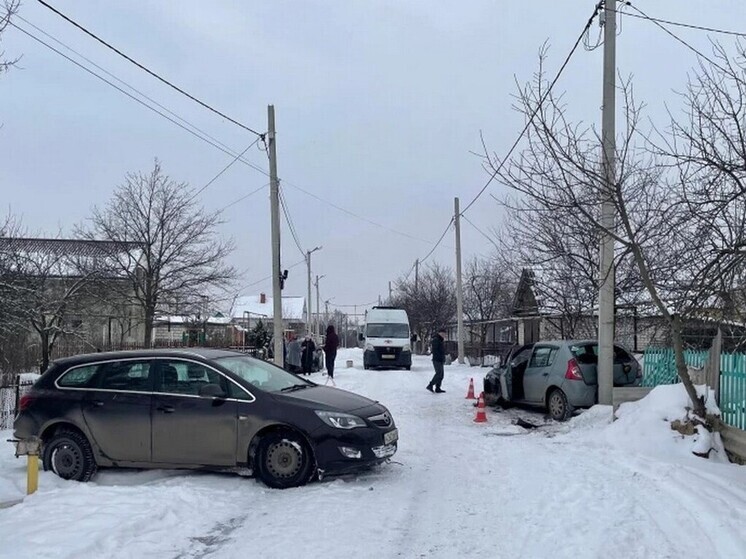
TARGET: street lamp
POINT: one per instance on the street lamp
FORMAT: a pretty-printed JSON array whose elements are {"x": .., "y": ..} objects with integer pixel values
[{"x": 308, "y": 302}]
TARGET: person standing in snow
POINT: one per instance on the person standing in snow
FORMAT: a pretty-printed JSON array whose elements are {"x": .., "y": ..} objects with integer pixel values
[
  {"x": 309, "y": 348},
  {"x": 293, "y": 354},
  {"x": 330, "y": 350},
  {"x": 438, "y": 349}
]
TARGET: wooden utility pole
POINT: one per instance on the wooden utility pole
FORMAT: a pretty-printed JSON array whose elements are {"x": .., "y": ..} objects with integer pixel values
[
  {"x": 459, "y": 287},
  {"x": 274, "y": 203},
  {"x": 606, "y": 251}
]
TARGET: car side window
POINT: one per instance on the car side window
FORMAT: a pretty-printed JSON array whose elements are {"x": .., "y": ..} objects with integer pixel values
[
  {"x": 79, "y": 377},
  {"x": 187, "y": 377},
  {"x": 542, "y": 357},
  {"x": 235, "y": 391},
  {"x": 125, "y": 375}
]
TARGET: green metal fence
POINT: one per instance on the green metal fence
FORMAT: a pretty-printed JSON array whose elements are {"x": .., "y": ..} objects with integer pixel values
[{"x": 660, "y": 368}]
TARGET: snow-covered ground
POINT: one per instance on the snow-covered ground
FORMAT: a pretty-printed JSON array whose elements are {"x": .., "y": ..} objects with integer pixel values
[{"x": 456, "y": 489}]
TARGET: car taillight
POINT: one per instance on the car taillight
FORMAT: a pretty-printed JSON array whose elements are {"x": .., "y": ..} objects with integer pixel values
[
  {"x": 573, "y": 370},
  {"x": 25, "y": 401}
]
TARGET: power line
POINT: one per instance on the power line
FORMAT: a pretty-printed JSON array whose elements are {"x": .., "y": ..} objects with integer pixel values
[
  {"x": 536, "y": 110},
  {"x": 485, "y": 235},
  {"x": 152, "y": 73},
  {"x": 440, "y": 240},
  {"x": 223, "y": 170},
  {"x": 194, "y": 132},
  {"x": 699, "y": 53},
  {"x": 352, "y": 214},
  {"x": 242, "y": 198},
  {"x": 291, "y": 225},
  {"x": 121, "y": 81},
  {"x": 270, "y": 276},
  {"x": 679, "y": 23}
]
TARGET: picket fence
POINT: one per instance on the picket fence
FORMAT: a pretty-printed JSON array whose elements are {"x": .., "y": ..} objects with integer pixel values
[{"x": 660, "y": 368}]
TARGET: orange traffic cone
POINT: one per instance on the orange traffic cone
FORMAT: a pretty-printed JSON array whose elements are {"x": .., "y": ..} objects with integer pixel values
[
  {"x": 470, "y": 394},
  {"x": 481, "y": 416}
]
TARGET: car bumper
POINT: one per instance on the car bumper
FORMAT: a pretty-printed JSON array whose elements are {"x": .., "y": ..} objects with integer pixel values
[
  {"x": 580, "y": 394},
  {"x": 371, "y": 359},
  {"x": 368, "y": 442}
]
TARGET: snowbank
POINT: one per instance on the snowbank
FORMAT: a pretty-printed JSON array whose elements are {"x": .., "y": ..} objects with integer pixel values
[{"x": 644, "y": 427}]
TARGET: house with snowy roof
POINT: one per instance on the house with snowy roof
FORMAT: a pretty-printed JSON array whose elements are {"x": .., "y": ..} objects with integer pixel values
[{"x": 249, "y": 310}]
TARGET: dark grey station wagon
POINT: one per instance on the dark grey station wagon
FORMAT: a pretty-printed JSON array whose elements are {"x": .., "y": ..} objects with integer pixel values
[{"x": 201, "y": 408}]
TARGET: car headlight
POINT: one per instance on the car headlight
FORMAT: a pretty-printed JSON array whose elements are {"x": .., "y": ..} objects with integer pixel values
[
  {"x": 407, "y": 347},
  {"x": 369, "y": 347},
  {"x": 340, "y": 420}
]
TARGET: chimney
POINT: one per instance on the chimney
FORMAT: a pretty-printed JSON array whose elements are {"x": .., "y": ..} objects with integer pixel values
[{"x": 263, "y": 299}]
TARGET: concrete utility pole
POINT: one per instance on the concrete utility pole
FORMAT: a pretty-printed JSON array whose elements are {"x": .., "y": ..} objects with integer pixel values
[
  {"x": 274, "y": 201},
  {"x": 459, "y": 287},
  {"x": 391, "y": 293},
  {"x": 416, "y": 275},
  {"x": 606, "y": 252},
  {"x": 309, "y": 329}
]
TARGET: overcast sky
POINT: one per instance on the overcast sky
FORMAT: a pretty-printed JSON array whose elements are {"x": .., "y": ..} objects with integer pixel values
[{"x": 379, "y": 104}]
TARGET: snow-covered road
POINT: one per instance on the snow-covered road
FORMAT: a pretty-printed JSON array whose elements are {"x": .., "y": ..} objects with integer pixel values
[{"x": 456, "y": 489}]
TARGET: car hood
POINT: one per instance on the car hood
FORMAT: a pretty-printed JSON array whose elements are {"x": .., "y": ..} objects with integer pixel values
[{"x": 325, "y": 397}]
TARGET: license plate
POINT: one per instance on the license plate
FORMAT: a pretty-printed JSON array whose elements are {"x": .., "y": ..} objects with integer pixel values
[
  {"x": 391, "y": 436},
  {"x": 388, "y": 356}
]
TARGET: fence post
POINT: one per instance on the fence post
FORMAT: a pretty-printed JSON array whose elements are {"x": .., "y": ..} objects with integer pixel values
[
  {"x": 713, "y": 366},
  {"x": 17, "y": 393}
]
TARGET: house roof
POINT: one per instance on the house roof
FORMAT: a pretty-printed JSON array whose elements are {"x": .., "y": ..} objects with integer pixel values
[
  {"x": 183, "y": 319},
  {"x": 66, "y": 247},
  {"x": 293, "y": 307}
]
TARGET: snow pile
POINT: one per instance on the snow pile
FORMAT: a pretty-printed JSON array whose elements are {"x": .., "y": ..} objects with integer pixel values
[
  {"x": 27, "y": 378},
  {"x": 645, "y": 426}
]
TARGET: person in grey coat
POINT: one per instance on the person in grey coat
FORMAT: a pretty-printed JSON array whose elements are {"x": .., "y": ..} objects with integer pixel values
[{"x": 294, "y": 354}]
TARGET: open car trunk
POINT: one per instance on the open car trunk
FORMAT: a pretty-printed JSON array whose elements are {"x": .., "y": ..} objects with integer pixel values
[{"x": 625, "y": 366}]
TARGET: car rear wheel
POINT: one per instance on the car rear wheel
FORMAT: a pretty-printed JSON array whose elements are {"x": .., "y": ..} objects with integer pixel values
[
  {"x": 69, "y": 455},
  {"x": 558, "y": 406},
  {"x": 284, "y": 460}
]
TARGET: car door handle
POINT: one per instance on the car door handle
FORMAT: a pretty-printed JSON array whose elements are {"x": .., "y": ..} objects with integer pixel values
[
  {"x": 545, "y": 374},
  {"x": 97, "y": 403},
  {"x": 166, "y": 409}
]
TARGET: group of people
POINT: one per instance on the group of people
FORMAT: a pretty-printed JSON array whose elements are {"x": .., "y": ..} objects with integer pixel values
[{"x": 300, "y": 355}]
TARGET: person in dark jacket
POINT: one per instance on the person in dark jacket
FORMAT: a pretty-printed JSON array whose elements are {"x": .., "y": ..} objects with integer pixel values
[
  {"x": 438, "y": 349},
  {"x": 330, "y": 350},
  {"x": 309, "y": 348}
]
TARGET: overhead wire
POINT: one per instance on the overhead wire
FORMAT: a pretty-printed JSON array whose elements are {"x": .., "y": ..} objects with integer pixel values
[
  {"x": 163, "y": 114},
  {"x": 437, "y": 243},
  {"x": 536, "y": 110},
  {"x": 642, "y": 15},
  {"x": 148, "y": 70},
  {"x": 223, "y": 170},
  {"x": 485, "y": 235},
  {"x": 699, "y": 53},
  {"x": 291, "y": 225},
  {"x": 121, "y": 81},
  {"x": 242, "y": 198}
]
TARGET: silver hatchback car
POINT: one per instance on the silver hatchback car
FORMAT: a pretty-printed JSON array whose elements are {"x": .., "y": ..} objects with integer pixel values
[{"x": 557, "y": 375}]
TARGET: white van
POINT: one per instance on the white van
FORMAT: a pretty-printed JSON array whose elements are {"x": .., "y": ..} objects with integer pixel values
[{"x": 386, "y": 338}]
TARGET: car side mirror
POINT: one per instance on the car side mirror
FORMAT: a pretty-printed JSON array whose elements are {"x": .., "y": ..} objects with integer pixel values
[{"x": 211, "y": 391}]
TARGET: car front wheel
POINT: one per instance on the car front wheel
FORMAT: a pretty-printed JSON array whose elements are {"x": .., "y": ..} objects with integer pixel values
[
  {"x": 558, "y": 406},
  {"x": 284, "y": 460},
  {"x": 69, "y": 455}
]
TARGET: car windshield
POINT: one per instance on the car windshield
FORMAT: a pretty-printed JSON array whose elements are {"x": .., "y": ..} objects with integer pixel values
[
  {"x": 387, "y": 330},
  {"x": 263, "y": 376}
]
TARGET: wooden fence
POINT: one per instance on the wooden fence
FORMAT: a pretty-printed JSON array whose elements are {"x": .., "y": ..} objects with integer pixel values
[{"x": 660, "y": 368}]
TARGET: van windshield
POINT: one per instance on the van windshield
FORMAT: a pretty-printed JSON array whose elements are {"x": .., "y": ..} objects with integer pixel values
[{"x": 387, "y": 330}]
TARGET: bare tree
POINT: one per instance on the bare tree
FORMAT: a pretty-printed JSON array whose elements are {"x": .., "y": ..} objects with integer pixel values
[
  {"x": 7, "y": 11},
  {"x": 430, "y": 302},
  {"x": 489, "y": 287},
  {"x": 671, "y": 222},
  {"x": 179, "y": 256}
]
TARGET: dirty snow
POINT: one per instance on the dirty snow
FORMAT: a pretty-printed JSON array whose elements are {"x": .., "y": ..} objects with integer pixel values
[{"x": 588, "y": 488}]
